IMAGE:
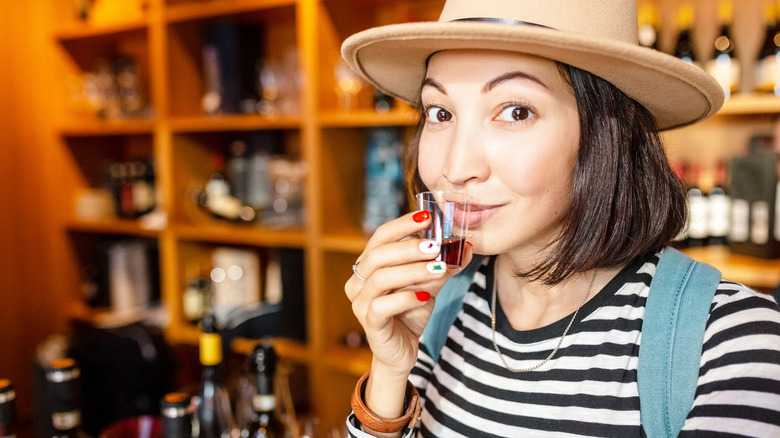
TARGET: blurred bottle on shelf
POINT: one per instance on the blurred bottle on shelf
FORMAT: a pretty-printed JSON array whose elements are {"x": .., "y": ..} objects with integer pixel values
[
  {"x": 214, "y": 413},
  {"x": 7, "y": 409},
  {"x": 719, "y": 205},
  {"x": 724, "y": 65},
  {"x": 237, "y": 169},
  {"x": 384, "y": 195},
  {"x": 176, "y": 415},
  {"x": 132, "y": 185},
  {"x": 264, "y": 419},
  {"x": 767, "y": 68},
  {"x": 698, "y": 229},
  {"x": 684, "y": 48},
  {"x": 263, "y": 145},
  {"x": 197, "y": 298},
  {"x": 63, "y": 378},
  {"x": 649, "y": 26}
]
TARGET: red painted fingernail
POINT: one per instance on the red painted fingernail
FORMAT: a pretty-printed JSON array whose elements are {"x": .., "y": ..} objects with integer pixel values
[
  {"x": 423, "y": 296},
  {"x": 421, "y": 216}
]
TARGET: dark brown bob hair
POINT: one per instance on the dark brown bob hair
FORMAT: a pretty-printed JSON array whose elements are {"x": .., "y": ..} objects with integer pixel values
[{"x": 626, "y": 200}]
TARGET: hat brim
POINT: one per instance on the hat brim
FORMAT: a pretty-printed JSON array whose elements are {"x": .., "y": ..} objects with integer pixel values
[{"x": 393, "y": 58}]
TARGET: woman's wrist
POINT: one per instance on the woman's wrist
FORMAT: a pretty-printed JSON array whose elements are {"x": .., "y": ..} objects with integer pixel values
[
  {"x": 385, "y": 389},
  {"x": 385, "y": 413}
]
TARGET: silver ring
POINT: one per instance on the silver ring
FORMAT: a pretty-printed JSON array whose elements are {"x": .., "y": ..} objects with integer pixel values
[{"x": 355, "y": 271}]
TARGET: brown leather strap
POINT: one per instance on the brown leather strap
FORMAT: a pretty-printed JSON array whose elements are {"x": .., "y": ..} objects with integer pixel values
[{"x": 385, "y": 425}]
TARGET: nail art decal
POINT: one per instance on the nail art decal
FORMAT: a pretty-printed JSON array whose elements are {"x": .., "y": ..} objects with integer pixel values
[
  {"x": 436, "y": 267},
  {"x": 430, "y": 246}
]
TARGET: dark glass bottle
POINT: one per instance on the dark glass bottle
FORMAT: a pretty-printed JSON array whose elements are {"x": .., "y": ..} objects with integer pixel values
[
  {"x": 265, "y": 421},
  {"x": 698, "y": 229},
  {"x": 176, "y": 415},
  {"x": 683, "y": 49},
  {"x": 7, "y": 409},
  {"x": 719, "y": 204},
  {"x": 64, "y": 390},
  {"x": 215, "y": 417},
  {"x": 724, "y": 65}
]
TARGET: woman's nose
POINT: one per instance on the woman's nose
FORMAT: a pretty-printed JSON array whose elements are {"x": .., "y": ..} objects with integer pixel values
[{"x": 465, "y": 159}]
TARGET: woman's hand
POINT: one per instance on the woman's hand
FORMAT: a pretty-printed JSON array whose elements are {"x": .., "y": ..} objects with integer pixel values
[{"x": 394, "y": 302}]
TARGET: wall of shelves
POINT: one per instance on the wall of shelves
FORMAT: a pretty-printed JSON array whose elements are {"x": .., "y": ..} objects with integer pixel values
[{"x": 180, "y": 140}]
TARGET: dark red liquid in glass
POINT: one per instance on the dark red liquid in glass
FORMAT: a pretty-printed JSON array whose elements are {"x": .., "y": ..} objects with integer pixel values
[{"x": 451, "y": 250}]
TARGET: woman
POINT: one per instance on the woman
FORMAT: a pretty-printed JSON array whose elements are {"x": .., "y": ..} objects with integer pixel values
[{"x": 547, "y": 114}]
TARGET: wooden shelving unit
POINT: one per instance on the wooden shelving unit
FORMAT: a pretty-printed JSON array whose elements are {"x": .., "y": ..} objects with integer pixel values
[{"x": 179, "y": 138}]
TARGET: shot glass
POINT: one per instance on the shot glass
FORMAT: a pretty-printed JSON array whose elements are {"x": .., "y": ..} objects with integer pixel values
[{"x": 449, "y": 223}]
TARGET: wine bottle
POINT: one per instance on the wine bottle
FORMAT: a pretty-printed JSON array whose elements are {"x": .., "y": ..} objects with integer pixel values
[
  {"x": 683, "y": 49},
  {"x": 724, "y": 65},
  {"x": 719, "y": 205},
  {"x": 648, "y": 29},
  {"x": 7, "y": 409},
  {"x": 64, "y": 390},
  {"x": 698, "y": 230},
  {"x": 215, "y": 418},
  {"x": 176, "y": 415},
  {"x": 767, "y": 69},
  {"x": 265, "y": 421}
]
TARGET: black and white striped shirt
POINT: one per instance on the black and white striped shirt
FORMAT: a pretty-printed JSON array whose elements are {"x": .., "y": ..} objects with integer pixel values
[{"x": 590, "y": 387}]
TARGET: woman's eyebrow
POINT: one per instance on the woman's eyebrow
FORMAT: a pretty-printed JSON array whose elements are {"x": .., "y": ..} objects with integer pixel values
[
  {"x": 428, "y": 82},
  {"x": 509, "y": 76}
]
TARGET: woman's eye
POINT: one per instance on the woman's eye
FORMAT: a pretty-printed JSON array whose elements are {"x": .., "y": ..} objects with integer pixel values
[
  {"x": 515, "y": 114},
  {"x": 437, "y": 114}
]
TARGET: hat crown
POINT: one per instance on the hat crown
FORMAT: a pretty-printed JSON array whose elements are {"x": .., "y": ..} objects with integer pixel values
[{"x": 608, "y": 19}]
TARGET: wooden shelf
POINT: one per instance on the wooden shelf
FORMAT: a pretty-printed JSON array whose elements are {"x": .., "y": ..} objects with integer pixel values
[
  {"x": 209, "y": 9},
  {"x": 99, "y": 128},
  {"x": 750, "y": 271},
  {"x": 287, "y": 348},
  {"x": 117, "y": 227},
  {"x": 750, "y": 104},
  {"x": 241, "y": 235},
  {"x": 354, "y": 243},
  {"x": 84, "y": 30},
  {"x": 355, "y": 361},
  {"x": 364, "y": 118},
  {"x": 233, "y": 123}
]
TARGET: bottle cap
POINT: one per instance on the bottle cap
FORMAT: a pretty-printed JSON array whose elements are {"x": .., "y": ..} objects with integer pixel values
[
  {"x": 263, "y": 358},
  {"x": 262, "y": 362},
  {"x": 175, "y": 405}
]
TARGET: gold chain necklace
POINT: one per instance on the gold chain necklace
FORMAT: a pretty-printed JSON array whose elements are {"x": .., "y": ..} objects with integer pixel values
[{"x": 560, "y": 341}]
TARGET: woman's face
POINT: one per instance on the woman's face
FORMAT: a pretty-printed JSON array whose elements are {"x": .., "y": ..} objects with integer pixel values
[{"x": 504, "y": 128}]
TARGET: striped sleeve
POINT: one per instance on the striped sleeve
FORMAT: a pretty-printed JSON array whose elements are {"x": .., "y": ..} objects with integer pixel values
[{"x": 739, "y": 380}]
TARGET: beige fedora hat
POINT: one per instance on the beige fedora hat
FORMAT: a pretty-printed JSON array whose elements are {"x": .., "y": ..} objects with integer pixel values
[{"x": 598, "y": 36}]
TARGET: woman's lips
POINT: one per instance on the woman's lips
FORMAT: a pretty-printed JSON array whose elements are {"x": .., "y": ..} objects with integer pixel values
[{"x": 479, "y": 213}]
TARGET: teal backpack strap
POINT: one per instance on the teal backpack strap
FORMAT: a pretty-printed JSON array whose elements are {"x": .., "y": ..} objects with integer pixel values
[
  {"x": 676, "y": 312},
  {"x": 448, "y": 303}
]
